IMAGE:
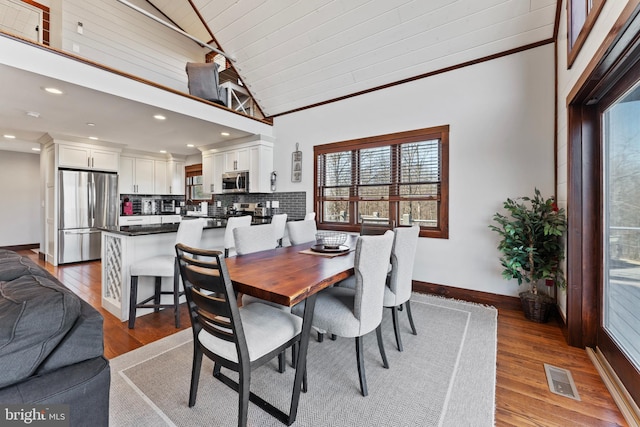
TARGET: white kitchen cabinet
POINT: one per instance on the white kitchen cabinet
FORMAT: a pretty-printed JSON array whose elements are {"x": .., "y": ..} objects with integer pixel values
[
  {"x": 218, "y": 170},
  {"x": 255, "y": 157},
  {"x": 207, "y": 173},
  {"x": 260, "y": 168},
  {"x": 87, "y": 157},
  {"x": 171, "y": 219},
  {"x": 140, "y": 220},
  {"x": 160, "y": 177},
  {"x": 236, "y": 160},
  {"x": 176, "y": 177},
  {"x": 136, "y": 175}
]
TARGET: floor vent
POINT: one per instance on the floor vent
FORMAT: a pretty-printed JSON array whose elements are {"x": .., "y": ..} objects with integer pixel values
[{"x": 561, "y": 382}]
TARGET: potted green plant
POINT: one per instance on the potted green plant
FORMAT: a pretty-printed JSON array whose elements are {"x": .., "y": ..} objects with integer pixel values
[{"x": 532, "y": 249}]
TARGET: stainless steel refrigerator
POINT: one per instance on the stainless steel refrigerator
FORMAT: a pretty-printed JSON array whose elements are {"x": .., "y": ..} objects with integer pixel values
[{"x": 87, "y": 200}]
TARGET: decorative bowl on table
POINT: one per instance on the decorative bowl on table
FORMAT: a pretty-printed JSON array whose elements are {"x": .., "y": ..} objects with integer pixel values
[{"x": 330, "y": 239}]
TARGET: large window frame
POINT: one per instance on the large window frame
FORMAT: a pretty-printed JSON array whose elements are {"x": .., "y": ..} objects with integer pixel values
[
  {"x": 396, "y": 142},
  {"x": 581, "y": 16}
]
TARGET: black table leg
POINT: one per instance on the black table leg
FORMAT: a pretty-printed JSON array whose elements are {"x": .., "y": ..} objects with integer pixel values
[{"x": 301, "y": 364}]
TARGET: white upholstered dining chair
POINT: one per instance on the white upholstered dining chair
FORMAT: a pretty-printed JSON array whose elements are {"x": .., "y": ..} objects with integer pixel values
[
  {"x": 397, "y": 293},
  {"x": 353, "y": 313},
  {"x": 302, "y": 231},
  {"x": 229, "y": 240},
  {"x": 280, "y": 223},
  {"x": 254, "y": 238}
]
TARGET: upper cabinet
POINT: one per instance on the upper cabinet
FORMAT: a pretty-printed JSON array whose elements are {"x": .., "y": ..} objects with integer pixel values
[
  {"x": 87, "y": 157},
  {"x": 146, "y": 175},
  {"x": 160, "y": 177},
  {"x": 175, "y": 173},
  {"x": 136, "y": 175},
  {"x": 236, "y": 160},
  {"x": 208, "y": 170},
  {"x": 254, "y": 156}
]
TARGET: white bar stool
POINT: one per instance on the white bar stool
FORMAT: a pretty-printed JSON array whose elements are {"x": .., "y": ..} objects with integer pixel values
[{"x": 189, "y": 233}]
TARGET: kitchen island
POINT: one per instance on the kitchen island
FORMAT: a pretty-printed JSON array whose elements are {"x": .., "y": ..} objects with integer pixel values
[{"x": 123, "y": 246}]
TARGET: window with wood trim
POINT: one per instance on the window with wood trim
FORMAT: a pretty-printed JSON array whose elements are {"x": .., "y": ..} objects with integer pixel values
[
  {"x": 193, "y": 184},
  {"x": 581, "y": 16},
  {"x": 400, "y": 178}
]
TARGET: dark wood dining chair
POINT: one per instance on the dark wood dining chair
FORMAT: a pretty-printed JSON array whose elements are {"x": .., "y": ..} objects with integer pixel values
[{"x": 237, "y": 338}]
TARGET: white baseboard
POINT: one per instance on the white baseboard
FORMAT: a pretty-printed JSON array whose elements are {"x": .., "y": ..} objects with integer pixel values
[{"x": 621, "y": 396}]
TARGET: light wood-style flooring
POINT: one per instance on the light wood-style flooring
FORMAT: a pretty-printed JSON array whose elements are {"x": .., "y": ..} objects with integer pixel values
[{"x": 522, "y": 394}]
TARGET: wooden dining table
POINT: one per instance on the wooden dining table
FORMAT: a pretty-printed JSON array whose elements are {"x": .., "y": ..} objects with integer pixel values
[{"x": 288, "y": 276}]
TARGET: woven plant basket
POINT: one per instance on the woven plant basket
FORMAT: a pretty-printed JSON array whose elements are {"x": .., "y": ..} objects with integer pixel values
[{"x": 537, "y": 307}]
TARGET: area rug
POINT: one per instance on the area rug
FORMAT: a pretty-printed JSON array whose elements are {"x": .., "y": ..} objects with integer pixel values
[{"x": 444, "y": 377}]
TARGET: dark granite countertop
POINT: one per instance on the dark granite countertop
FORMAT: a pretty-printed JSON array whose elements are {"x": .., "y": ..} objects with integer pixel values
[{"x": 143, "y": 230}]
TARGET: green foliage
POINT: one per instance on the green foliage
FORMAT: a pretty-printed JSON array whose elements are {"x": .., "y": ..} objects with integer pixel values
[{"x": 531, "y": 245}]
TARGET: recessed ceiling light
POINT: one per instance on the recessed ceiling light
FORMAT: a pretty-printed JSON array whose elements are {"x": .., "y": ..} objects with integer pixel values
[
  {"x": 90, "y": 124},
  {"x": 159, "y": 117},
  {"x": 190, "y": 145},
  {"x": 10, "y": 136},
  {"x": 95, "y": 138},
  {"x": 35, "y": 149},
  {"x": 53, "y": 90},
  {"x": 163, "y": 151},
  {"x": 33, "y": 114},
  {"x": 225, "y": 133}
]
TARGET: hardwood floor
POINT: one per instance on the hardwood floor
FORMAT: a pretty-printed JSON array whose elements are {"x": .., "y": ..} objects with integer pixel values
[{"x": 522, "y": 394}]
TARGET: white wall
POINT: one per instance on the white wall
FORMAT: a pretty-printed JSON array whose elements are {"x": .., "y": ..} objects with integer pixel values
[
  {"x": 119, "y": 37},
  {"x": 501, "y": 145},
  {"x": 567, "y": 79},
  {"x": 20, "y": 193}
]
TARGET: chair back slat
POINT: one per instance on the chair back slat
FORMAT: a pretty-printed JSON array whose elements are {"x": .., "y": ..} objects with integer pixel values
[{"x": 216, "y": 324}]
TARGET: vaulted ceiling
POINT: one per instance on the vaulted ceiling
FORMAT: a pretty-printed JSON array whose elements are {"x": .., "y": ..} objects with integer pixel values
[
  {"x": 290, "y": 54},
  {"x": 294, "y": 53}
]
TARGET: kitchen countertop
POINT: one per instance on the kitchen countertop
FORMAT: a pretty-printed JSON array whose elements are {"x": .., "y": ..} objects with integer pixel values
[{"x": 143, "y": 230}]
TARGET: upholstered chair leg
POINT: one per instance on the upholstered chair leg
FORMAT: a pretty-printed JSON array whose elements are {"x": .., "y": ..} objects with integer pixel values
[
  {"x": 243, "y": 396},
  {"x": 320, "y": 336},
  {"x": 413, "y": 327},
  {"x": 195, "y": 374},
  {"x": 157, "y": 292},
  {"x": 333, "y": 337},
  {"x": 385, "y": 362},
  {"x": 133, "y": 299},
  {"x": 216, "y": 369},
  {"x": 282, "y": 364},
  {"x": 396, "y": 327},
  {"x": 176, "y": 293},
  {"x": 360, "y": 360}
]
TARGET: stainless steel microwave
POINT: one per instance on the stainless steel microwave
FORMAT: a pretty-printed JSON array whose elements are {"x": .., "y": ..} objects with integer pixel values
[{"x": 235, "y": 182}]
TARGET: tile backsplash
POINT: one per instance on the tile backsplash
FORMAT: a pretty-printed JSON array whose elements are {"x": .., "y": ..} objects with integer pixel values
[{"x": 292, "y": 203}]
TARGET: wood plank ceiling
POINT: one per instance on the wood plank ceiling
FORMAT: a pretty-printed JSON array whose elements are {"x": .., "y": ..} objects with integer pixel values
[{"x": 295, "y": 53}]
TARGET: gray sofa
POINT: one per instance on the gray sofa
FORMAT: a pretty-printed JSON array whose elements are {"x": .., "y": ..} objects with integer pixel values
[{"x": 51, "y": 344}]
